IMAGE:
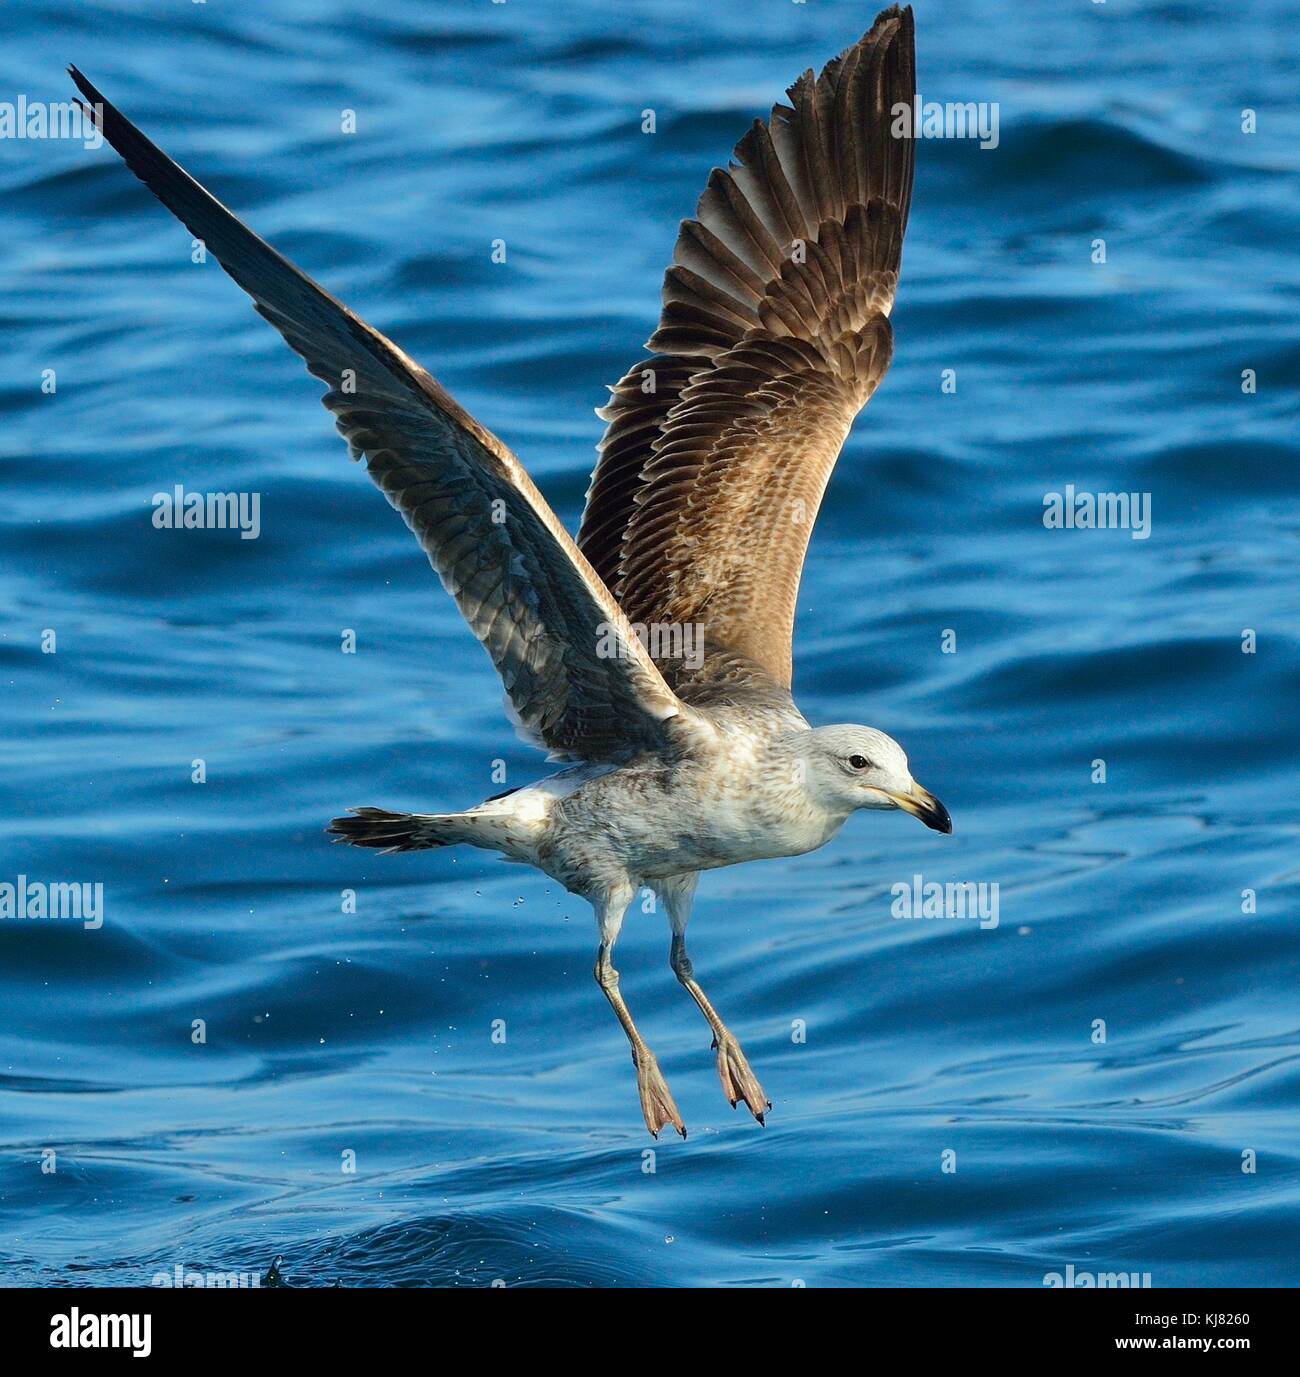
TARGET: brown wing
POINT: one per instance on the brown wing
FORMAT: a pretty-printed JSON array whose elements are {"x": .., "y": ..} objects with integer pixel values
[
  {"x": 577, "y": 678},
  {"x": 774, "y": 334}
]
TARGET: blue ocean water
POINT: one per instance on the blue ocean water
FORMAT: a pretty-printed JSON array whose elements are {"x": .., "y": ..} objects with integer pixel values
[{"x": 1108, "y": 1078}]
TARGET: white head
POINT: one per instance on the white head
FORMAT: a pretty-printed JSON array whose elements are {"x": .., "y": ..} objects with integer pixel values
[{"x": 850, "y": 767}]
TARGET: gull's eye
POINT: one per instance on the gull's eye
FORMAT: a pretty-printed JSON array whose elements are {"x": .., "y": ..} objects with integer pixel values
[{"x": 859, "y": 762}]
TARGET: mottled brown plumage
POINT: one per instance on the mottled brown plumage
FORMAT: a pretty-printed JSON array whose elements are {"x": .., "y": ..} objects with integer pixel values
[{"x": 774, "y": 334}]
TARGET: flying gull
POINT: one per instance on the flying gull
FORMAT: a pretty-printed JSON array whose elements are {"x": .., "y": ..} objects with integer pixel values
[{"x": 720, "y": 441}]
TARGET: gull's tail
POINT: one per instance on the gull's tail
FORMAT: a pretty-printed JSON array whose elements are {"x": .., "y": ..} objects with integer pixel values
[
  {"x": 495, "y": 825},
  {"x": 387, "y": 831}
]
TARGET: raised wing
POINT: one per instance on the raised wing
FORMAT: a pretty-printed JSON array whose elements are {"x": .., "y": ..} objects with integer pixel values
[
  {"x": 577, "y": 678},
  {"x": 774, "y": 334}
]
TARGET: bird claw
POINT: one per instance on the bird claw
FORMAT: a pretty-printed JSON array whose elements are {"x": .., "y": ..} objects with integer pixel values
[
  {"x": 738, "y": 1079},
  {"x": 657, "y": 1104}
]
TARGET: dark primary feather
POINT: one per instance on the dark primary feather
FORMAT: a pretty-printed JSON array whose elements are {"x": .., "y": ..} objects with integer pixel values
[
  {"x": 774, "y": 334},
  {"x": 527, "y": 593}
]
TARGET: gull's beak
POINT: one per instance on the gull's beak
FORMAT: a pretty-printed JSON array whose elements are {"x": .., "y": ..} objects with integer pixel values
[{"x": 921, "y": 803}]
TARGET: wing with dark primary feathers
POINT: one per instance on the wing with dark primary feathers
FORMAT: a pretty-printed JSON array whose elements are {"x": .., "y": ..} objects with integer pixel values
[
  {"x": 774, "y": 333},
  {"x": 578, "y": 679}
]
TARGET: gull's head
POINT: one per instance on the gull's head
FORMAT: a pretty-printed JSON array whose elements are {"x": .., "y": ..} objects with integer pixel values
[{"x": 849, "y": 767}]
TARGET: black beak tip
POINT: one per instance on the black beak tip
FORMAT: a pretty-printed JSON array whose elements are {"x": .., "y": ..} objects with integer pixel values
[{"x": 939, "y": 819}]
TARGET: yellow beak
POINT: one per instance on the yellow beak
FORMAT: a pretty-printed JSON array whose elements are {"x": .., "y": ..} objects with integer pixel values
[{"x": 921, "y": 803}]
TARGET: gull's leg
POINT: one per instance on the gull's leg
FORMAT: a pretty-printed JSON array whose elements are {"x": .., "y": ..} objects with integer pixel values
[
  {"x": 657, "y": 1103},
  {"x": 738, "y": 1080}
]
